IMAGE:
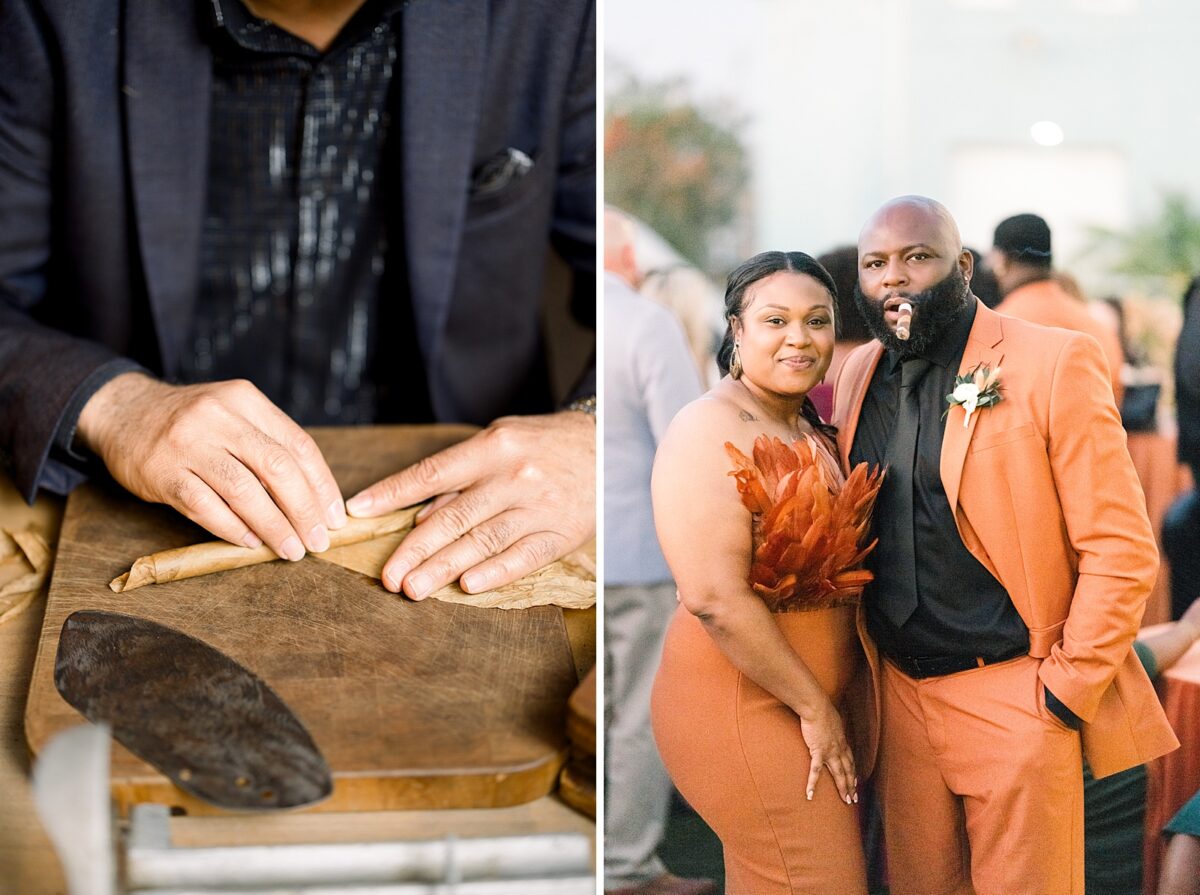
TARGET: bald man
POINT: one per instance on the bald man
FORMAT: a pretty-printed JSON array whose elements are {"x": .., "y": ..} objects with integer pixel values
[
  {"x": 1014, "y": 561},
  {"x": 648, "y": 376}
]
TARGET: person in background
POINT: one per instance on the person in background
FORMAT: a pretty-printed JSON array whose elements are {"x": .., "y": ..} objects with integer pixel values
[
  {"x": 648, "y": 377},
  {"x": 1180, "y": 872},
  {"x": 983, "y": 281},
  {"x": 1141, "y": 380},
  {"x": 1114, "y": 807},
  {"x": 1181, "y": 524},
  {"x": 692, "y": 298},
  {"x": 1021, "y": 260},
  {"x": 842, "y": 264}
]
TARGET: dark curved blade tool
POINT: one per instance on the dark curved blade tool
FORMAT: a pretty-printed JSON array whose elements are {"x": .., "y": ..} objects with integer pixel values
[{"x": 211, "y": 725}]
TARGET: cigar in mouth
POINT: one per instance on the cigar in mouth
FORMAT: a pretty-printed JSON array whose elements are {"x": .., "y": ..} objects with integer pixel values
[{"x": 904, "y": 323}]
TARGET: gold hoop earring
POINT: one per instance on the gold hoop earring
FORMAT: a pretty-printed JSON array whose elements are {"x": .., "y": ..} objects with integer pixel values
[{"x": 735, "y": 361}]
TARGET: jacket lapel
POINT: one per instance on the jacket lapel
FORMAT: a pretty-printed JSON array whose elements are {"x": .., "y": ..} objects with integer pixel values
[
  {"x": 442, "y": 63},
  {"x": 849, "y": 393},
  {"x": 166, "y": 91},
  {"x": 982, "y": 348}
]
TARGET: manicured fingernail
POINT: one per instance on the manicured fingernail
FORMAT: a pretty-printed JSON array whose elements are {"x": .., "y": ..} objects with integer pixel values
[
  {"x": 318, "y": 538},
  {"x": 810, "y": 795},
  {"x": 856, "y": 798},
  {"x": 252, "y": 540},
  {"x": 419, "y": 585},
  {"x": 474, "y": 582},
  {"x": 337, "y": 513},
  {"x": 847, "y": 800},
  {"x": 292, "y": 549},
  {"x": 360, "y": 503}
]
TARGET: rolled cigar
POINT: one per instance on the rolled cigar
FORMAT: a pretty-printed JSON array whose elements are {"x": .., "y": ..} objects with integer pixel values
[
  {"x": 220, "y": 556},
  {"x": 904, "y": 324}
]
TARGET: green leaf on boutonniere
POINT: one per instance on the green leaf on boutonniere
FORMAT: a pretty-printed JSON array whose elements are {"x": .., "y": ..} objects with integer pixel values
[{"x": 978, "y": 387}]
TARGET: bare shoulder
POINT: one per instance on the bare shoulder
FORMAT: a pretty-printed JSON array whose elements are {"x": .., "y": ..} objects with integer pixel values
[
  {"x": 719, "y": 415},
  {"x": 692, "y": 465}
]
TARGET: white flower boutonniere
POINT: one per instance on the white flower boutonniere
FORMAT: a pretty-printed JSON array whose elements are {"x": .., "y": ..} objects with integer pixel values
[{"x": 977, "y": 388}]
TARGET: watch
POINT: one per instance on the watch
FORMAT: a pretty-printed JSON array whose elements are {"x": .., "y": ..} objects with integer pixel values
[{"x": 583, "y": 405}]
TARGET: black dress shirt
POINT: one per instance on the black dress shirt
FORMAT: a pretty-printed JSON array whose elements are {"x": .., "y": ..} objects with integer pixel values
[
  {"x": 962, "y": 610},
  {"x": 302, "y": 285}
]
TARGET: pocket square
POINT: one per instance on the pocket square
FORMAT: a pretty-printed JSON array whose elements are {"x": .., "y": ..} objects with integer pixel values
[{"x": 497, "y": 172}]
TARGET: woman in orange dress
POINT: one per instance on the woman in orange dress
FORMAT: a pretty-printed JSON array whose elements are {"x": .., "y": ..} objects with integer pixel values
[{"x": 749, "y": 704}]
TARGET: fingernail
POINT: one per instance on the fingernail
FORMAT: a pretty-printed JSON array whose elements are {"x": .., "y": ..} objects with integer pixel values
[
  {"x": 419, "y": 585},
  {"x": 292, "y": 549},
  {"x": 393, "y": 576},
  {"x": 423, "y": 512},
  {"x": 318, "y": 538},
  {"x": 856, "y": 798},
  {"x": 252, "y": 540},
  {"x": 810, "y": 795},
  {"x": 360, "y": 503},
  {"x": 337, "y": 513},
  {"x": 474, "y": 582},
  {"x": 847, "y": 800}
]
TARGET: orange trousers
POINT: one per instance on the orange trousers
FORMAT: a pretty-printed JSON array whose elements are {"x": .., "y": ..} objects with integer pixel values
[{"x": 981, "y": 786}]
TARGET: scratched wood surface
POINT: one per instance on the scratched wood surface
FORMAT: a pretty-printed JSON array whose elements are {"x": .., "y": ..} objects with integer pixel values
[{"x": 414, "y": 705}]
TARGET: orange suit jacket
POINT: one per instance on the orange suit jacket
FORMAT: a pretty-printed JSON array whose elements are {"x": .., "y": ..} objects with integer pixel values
[
  {"x": 1047, "y": 303},
  {"x": 1046, "y": 497}
]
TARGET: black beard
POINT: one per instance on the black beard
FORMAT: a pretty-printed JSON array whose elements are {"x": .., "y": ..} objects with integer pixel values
[{"x": 933, "y": 312}]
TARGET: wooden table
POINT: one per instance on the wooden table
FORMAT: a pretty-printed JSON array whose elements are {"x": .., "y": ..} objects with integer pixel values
[
  {"x": 1175, "y": 777},
  {"x": 28, "y": 865}
]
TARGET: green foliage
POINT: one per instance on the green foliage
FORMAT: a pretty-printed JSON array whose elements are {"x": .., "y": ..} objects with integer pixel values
[
  {"x": 679, "y": 167},
  {"x": 1161, "y": 254}
]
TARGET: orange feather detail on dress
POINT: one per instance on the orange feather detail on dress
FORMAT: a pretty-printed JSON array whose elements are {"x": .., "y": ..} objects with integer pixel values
[{"x": 808, "y": 525}]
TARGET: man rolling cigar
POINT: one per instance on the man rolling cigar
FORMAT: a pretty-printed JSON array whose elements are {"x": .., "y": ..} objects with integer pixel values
[
  {"x": 221, "y": 220},
  {"x": 1013, "y": 564}
]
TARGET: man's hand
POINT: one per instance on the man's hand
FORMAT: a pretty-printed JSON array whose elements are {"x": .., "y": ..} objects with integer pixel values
[
  {"x": 220, "y": 453},
  {"x": 526, "y": 496}
]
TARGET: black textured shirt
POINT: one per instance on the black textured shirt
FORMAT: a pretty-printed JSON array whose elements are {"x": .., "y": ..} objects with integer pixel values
[
  {"x": 962, "y": 610},
  {"x": 302, "y": 282}
]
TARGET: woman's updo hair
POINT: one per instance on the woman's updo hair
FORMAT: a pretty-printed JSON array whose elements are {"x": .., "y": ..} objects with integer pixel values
[{"x": 746, "y": 275}]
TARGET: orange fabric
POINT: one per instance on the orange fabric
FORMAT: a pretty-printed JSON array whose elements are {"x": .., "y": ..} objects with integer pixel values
[
  {"x": 1046, "y": 498},
  {"x": 736, "y": 754},
  {"x": 1047, "y": 303},
  {"x": 1174, "y": 778},
  {"x": 975, "y": 757},
  {"x": 809, "y": 523},
  {"x": 1163, "y": 479}
]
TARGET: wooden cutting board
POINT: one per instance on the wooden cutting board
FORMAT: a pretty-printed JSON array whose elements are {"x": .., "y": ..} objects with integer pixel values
[{"x": 414, "y": 705}]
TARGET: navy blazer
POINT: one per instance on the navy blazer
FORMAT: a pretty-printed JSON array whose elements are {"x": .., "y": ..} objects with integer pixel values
[{"x": 104, "y": 110}]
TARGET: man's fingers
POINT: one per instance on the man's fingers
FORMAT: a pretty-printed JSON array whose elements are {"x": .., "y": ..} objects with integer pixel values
[
  {"x": 434, "y": 505},
  {"x": 421, "y": 563},
  {"x": 327, "y": 494},
  {"x": 246, "y": 496},
  {"x": 449, "y": 470},
  {"x": 484, "y": 540},
  {"x": 527, "y": 555},
  {"x": 280, "y": 473},
  {"x": 196, "y": 500}
]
